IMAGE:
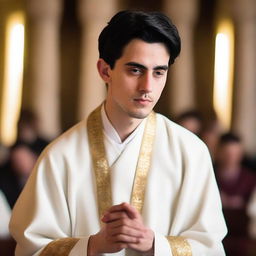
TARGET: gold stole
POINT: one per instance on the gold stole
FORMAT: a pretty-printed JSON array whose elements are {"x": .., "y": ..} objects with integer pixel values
[
  {"x": 63, "y": 246},
  {"x": 101, "y": 167}
]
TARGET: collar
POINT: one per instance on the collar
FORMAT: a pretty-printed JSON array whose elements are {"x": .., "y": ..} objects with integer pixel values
[{"x": 111, "y": 132}]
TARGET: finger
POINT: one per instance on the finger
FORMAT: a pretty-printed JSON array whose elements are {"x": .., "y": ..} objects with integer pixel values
[
  {"x": 126, "y": 230},
  {"x": 125, "y": 222},
  {"x": 123, "y": 238},
  {"x": 145, "y": 243},
  {"x": 112, "y": 216},
  {"x": 118, "y": 207},
  {"x": 131, "y": 211}
]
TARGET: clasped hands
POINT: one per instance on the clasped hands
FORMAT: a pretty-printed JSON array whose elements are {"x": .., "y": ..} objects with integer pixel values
[{"x": 123, "y": 228}]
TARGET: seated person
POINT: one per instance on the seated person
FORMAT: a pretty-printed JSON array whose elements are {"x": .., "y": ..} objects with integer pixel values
[
  {"x": 28, "y": 132},
  {"x": 16, "y": 171},
  {"x": 236, "y": 184}
]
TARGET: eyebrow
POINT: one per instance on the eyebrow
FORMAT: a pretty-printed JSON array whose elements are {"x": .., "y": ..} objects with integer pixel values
[{"x": 135, "y": 64}]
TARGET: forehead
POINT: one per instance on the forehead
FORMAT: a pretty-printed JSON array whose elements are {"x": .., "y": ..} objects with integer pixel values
[{"x": 145, "y": 53}]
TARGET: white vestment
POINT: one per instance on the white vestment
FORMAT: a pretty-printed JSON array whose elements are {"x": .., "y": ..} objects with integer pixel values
[
  {"x": 182, "y": 199},
  {"x": 5, "y": 214}
]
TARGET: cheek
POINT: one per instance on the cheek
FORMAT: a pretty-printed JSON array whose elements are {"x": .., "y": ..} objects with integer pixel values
[
  {"x": 159, "y": 89},
  {"x": 117, "y": 90},
  {"x": 124, "y": 85},
  {"x": 117, "y": 80}
]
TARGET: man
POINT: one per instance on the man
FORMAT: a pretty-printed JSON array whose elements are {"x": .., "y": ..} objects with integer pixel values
[
  {"x": 236, "y": 184},
  {"x": 127, "y": 181}
]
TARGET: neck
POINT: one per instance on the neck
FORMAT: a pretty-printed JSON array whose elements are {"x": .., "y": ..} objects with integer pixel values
[{"x": 124, "y": 125}]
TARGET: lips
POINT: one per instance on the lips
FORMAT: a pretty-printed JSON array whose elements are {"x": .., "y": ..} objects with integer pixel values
[
  {"x": 144, "y": 98},
  {"x": 143, "y": 101}
]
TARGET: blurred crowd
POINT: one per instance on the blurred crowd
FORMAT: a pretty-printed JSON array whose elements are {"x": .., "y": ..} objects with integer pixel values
[
  {"x": 236, "y": 178},
  {"x": 16, "y": 164},
  {"x": 235, "y": 174}
]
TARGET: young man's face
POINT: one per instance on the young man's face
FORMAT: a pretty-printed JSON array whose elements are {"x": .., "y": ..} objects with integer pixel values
[{"x": 137, "y": 79}]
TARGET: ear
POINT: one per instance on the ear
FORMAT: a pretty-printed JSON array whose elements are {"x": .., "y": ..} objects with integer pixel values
[{"x": 103, "y": 69}]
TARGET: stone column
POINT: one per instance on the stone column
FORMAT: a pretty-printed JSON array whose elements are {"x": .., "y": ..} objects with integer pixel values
[
  {"x": 244, "y": 116},
  {"x": 3, "y": 14},
  {"x": 94, "y": 15},
  {"x": 183, "y": 14},
  {"x": 43, "y": 63}
]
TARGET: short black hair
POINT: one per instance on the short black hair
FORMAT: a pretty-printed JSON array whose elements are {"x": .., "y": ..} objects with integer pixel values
[
  {"x": 229, "y": 137},
  {"x": 151, "y": 27},
  {"x": 189, "y": 114}
]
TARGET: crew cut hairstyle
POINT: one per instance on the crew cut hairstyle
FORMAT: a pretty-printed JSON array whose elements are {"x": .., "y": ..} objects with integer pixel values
[{"x": 151, "y": 27}]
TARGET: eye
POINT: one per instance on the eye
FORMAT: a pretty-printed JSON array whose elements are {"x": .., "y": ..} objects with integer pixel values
[
  {"x": 159, "y": 72},
  {"x": 135, "y": 71}
]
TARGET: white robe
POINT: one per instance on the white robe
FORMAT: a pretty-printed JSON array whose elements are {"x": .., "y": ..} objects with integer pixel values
[
  {"x": 182, "y": 199},
  {"x": 5, "y": 213}
]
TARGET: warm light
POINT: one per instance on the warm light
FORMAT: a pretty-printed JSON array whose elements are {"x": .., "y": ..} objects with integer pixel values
[
  {"x": 13, "y": 76},
  {"x": 223, "y": 73}
]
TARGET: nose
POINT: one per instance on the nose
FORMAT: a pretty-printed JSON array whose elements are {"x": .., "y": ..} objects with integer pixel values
[{"x": 146, "y": 83}]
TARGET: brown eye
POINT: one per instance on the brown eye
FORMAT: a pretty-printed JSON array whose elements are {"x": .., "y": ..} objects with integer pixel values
[
  {"x": 159, "y": 73},
  {"x": 135, "y": 71}
]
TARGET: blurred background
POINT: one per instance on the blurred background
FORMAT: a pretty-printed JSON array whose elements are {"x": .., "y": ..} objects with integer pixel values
[{"x": 49, "y": 81}]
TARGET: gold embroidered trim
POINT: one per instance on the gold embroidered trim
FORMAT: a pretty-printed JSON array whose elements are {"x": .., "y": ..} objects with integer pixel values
[
  {"x": 101, "y": 167},
  {"x": 179, "y": 246},
  {"x": 143, "y": 164},
  {"x": 100, "y": 163},
  {"x": 59, "y": 247}
]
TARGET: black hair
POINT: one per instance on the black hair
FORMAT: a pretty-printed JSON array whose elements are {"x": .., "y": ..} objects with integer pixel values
[
  {"x": 151, "y": 27},
  {"x": 190, "y": 114},
  {"x": 27, "y": 117},
  {"x": 229, "y": 137}
]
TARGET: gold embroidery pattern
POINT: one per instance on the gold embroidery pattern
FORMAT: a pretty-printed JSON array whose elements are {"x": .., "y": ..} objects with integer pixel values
[
  {"x": 100, "y": 163},
  {"x": 179, "y": 246},
  {"x": 143, "y": 164},
  {"x": 101, "y": 167},
  {"x": 59, "y": 247}
]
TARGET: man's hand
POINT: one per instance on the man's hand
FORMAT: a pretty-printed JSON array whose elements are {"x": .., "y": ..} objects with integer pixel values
[{"x": 123, "y": 228}]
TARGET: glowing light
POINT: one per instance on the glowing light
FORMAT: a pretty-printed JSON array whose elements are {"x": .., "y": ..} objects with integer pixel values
[
  {"x": 223, "y": 73},
  {"x": 13, "y": 77}
]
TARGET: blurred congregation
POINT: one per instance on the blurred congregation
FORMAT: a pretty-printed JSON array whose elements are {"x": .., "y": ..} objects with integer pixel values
[{"x": 59, "y": 86}]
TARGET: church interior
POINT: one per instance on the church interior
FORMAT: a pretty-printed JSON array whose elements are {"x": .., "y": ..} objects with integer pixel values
[{"x": 49, "y": 82}]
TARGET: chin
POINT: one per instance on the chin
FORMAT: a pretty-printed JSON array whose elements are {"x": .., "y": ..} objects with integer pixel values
[{"x": 138, "y": 114}]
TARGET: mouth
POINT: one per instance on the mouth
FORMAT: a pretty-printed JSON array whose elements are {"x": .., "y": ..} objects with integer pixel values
[{"x": 143, "y": 101}]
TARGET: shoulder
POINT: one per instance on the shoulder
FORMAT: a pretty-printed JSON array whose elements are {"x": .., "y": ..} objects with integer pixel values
[
  {"x": 178, "y": 134},
  {"x": 181, "y": 147},
  {"x": 68, "y": 141},
  {"x": 62, "y": 155}
]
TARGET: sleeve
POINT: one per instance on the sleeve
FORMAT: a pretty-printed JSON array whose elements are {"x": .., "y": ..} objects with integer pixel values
[
  {"x": 171, "y": 245},
  {"x": 162, "y": 246},
  {"x": 40, "y": 222},
  {"x": 198, "y": 225}
]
